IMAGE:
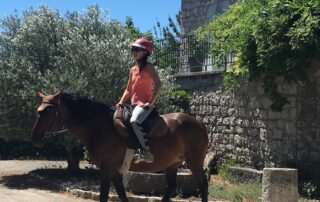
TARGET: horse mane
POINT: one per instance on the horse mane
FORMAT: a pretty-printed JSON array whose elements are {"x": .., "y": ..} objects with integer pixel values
[{"x": 85, "y": 108}]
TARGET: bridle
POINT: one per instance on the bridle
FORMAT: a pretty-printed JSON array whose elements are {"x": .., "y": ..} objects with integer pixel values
[{"x": 56, "y": 116}]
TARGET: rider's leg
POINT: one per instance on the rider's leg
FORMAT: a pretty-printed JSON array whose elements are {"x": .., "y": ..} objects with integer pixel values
[
  {"x": 139, "y": 115},
  {"x": 127, "y": 160}
]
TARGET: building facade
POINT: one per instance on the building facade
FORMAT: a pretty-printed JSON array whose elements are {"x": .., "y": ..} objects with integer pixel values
[
  {"x": 241, "y": 124},
  {"x": 193, "y": 54}
]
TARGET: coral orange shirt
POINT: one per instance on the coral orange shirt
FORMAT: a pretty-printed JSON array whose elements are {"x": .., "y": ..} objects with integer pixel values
[{"x": 141, "y": 86}]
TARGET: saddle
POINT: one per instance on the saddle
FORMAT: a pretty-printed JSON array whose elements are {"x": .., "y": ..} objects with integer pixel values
[{"x": 154, "y": 126}]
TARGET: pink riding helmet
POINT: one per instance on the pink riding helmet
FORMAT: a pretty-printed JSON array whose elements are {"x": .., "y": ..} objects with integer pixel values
[{"x": 145, "y": 44}]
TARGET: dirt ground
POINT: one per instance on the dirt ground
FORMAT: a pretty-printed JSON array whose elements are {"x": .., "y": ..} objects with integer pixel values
[
  {"x": 18, "y": 183},
  {"x": 32, "y": 181}
]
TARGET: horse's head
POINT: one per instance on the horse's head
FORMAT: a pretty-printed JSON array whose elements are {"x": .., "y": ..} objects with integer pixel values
[{"x": 47, "y": 113}]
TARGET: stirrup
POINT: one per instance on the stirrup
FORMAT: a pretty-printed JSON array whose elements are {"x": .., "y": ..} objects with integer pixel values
[{"x": 146, "y": 155}]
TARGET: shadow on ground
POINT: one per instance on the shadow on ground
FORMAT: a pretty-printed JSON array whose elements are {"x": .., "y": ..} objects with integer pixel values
[{"x": 54, "y": 180}]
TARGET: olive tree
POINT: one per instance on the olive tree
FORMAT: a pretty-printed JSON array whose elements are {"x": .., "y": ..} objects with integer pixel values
[
  {"x": 43, "y": 51},
  {"x": 40, "y": 50}
]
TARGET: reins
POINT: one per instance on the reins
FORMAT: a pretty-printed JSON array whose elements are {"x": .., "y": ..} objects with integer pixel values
[{"x": 54, "y": 133}]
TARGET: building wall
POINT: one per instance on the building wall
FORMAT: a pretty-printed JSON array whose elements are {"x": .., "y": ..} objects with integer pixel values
[
  {"x": 195, "y": 13},
  {"x": 242, "y": 126}
]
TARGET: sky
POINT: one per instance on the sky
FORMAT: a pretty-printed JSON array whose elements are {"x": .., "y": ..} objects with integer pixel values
[{"x": 145, "y": 13}]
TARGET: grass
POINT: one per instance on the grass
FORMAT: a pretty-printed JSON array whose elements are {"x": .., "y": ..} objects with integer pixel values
[{"x": 221, "y": 189}]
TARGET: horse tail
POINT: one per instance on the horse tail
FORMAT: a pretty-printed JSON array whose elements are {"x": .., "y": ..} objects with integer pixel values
[
  {"x": 209, "y": 156},
  {"x": 208, "y": 159}
]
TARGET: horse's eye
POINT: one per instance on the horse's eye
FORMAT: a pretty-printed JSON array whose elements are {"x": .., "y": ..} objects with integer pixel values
[
  {"x": 47, "y": 109},
  {"x": 39, "y": 113},
  {"x": 50, "y": 107}
]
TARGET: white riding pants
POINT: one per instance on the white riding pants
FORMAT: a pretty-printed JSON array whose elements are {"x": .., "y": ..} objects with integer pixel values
[{"x": 140, "y": 114}]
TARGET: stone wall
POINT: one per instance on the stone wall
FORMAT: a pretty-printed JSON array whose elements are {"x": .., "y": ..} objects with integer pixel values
[{"x": 242, "y": 126}]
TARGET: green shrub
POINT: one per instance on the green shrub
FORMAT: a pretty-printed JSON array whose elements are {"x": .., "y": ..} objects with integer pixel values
[
  {"x": 179, "y": 100},
  {"x": 223, "y": 168},
  {"x": 23, "y": 149},
  {"x": 309, "y": 182}
]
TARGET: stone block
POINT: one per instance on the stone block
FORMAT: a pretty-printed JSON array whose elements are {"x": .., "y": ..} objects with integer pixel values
[
  {"x": 239, "y": 130},
  {"x": 280, "y": 184},
  {"x": 245, "y": 175},
  {"x": 262, "y": 133},
  {"x": 273, "y": 115},
  {"x": 277, "y": 134},
  {"x": 266, "y": 102},
  {"x": 155, "y": 183}
]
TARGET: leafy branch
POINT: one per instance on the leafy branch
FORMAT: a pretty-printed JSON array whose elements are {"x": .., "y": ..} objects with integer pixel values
[{"x": 272, "y": 39}]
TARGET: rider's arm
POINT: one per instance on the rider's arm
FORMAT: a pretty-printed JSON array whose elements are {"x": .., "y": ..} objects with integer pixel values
[
  {"x": 126, "y": 93},
  {"x": 158, "y": 85}
]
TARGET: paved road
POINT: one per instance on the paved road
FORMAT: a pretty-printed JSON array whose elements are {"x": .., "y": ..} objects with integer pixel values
[
  {"x": 34, "y": 195},
  {"x": 19, "y": 188}
]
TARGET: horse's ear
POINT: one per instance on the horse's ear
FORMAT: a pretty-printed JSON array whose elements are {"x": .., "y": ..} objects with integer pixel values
[
  {"x": 58, "y": 93},
  {"x": 41, "y": 95}
]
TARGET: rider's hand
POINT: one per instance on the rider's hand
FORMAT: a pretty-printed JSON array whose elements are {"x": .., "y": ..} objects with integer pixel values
[
  {"x": 147, "y": 105},
  {"x": 118, "y": 105}
]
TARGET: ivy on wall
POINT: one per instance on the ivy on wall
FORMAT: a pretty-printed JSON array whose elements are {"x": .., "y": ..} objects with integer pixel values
[{"x": 272, "y": 39}]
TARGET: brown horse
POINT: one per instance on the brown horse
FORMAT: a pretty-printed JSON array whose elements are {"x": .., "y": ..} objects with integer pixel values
[{"x": 92, "y": 123}]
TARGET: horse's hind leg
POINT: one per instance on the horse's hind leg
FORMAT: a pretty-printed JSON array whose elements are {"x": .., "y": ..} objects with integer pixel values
[
  {"x": 200, "y": 177},
  {"x": 118, "y": 185},
  {"x": 104, "y": 189},
  {"x": 171, "y": 179}
]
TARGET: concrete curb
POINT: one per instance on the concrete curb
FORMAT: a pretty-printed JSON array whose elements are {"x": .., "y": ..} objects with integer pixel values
[
  {"x": 95, "y": 195},
  {"x": 132, "y": 198},
  {"x": 112, "y": 197},
  {"x": 245, "y": 175}
]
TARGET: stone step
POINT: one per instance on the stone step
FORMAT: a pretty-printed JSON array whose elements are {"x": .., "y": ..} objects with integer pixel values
[{"x": 154, "y": 184}]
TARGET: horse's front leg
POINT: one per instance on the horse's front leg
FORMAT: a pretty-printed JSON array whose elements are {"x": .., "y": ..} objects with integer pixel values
[
  {"x": 118, "y": 185},
  {"x": 104, "y": 189},
  {"x": 171, "y": 179}
]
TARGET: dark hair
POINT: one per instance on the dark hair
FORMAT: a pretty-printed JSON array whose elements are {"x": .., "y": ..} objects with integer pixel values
[{"x": 142, "y": 63}]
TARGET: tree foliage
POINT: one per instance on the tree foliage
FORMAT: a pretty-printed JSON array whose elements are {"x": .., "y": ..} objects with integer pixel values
[
  {"x": 167, "y": 45},
  {"x": 166, "y": 57},
  {"x": 135, "y": 32},
  {"x": 88, "y": 53},
  {"x": 43, "y": 51},
  {"x": 272, "y": 39}
]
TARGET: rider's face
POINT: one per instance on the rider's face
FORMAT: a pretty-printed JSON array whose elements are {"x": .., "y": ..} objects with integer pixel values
[{"x": 137, "y": 52}]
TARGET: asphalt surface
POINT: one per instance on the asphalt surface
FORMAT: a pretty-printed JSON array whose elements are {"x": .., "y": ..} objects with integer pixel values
[{"x": 17, "y": 186}]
